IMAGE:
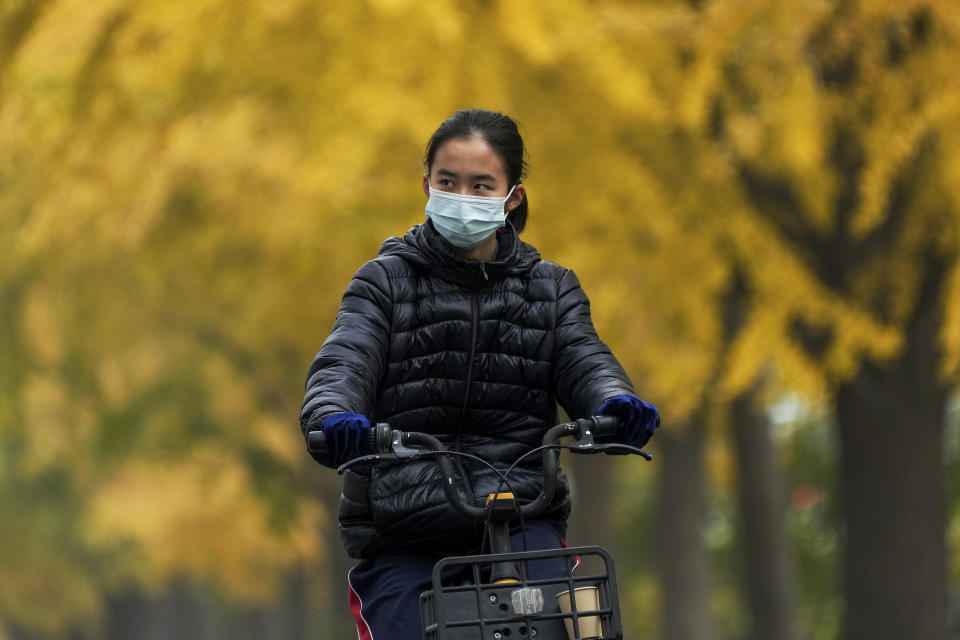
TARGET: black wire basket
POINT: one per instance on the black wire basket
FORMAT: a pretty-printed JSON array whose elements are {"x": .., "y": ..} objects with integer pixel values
[{"x": 465, "y": 605}]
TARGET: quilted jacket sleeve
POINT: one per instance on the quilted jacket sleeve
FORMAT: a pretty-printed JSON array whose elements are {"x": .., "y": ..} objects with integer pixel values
[
  {"x": 346, "y": 371},
  {"x": 585, "y": 371}
]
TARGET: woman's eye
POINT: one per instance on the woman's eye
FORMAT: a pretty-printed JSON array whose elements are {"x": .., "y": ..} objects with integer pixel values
[
  {"x": 443, "y": 182},
  {"x": 482, "y": 187}
]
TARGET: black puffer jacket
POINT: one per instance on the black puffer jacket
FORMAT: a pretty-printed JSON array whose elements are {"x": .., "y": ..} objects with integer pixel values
[{"x": 477, "y": 354}]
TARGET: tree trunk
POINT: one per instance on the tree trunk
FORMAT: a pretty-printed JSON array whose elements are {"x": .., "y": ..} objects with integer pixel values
[
  {"x": 681, "y": 519},
  {"x": 592, "y": 480},
  {"x": 891, "y": 425},
  {"x": 176, "y": 614},
  {"x": 767, "y": 567},
  {"x": 283, "y": 619},
  {"x": 293, "y": 609}
]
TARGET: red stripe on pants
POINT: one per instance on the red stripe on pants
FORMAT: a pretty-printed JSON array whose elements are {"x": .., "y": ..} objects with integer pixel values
[{"x": 356, "y": 608}]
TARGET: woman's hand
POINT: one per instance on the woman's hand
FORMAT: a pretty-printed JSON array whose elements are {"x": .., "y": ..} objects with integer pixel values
[
  {"x": 638, "y": 419},
  {"x": 346, "y": 435}
]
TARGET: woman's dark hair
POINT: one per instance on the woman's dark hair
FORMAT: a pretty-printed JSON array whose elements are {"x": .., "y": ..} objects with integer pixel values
[{"x": 503, "y": 136}]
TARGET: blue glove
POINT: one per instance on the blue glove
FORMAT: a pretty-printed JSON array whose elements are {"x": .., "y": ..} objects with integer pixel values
[
  {"x": 638, "y": 419},
  {"x": 346, "y": 435}
]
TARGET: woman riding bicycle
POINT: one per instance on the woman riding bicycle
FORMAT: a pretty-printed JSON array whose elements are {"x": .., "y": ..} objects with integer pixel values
[{"x": 458, "y": 329}]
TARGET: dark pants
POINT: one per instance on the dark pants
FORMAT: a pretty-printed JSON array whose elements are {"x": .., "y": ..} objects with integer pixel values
[{"x": 385, "y": 590}]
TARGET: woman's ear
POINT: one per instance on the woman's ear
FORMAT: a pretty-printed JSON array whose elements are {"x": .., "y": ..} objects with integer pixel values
[
  {"x": 426, "y": 184},
  {"x": 519, "y": 193}
]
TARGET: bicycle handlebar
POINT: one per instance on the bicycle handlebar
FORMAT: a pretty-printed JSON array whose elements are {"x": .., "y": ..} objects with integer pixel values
[{"x": 386, "y": 443}]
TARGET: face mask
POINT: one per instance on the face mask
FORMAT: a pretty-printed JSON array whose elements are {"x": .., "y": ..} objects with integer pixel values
[{"x": 466, "y": 221}]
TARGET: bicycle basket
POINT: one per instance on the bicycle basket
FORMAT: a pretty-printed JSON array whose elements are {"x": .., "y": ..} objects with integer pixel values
[{"x": 464, "y": 605}]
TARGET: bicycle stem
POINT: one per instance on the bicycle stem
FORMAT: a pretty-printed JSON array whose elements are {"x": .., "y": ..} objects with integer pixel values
[{"x": 447, "y": 471}]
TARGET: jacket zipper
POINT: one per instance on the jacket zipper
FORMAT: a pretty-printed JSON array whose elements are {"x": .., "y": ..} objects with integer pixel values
[
  {"x": 474, "y": 330},
  {"x": 474, "y": 327}
]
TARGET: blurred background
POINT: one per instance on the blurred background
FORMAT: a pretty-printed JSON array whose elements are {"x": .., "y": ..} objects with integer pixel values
[{"x": 761, "y": 198}]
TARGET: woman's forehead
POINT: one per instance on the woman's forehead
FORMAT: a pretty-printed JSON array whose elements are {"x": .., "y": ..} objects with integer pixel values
[{"x": 468, "y": 156}]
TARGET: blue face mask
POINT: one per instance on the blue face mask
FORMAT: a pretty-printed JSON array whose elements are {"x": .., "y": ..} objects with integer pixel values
[{"x": 466, "y": 221}]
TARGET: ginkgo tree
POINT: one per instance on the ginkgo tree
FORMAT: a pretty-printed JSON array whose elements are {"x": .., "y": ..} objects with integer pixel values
[{"x": 809, "y": 153}]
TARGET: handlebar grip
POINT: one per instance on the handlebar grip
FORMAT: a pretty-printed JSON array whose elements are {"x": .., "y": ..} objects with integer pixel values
[
  {"x": 605, "y": 427},
  {"x": 316, "y": 442}
]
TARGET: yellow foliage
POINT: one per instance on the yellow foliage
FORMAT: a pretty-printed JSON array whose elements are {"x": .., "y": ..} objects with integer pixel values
[
  {"x": 232, "y": 403},
  {"x": 720, "y": 464},
  {"x": 197, "y": 516},
  {"x": 45, "y": 403},
  {"x": 42, "y": 331},
  {"x": 44, "y": 593},
  {"x": 187, "y": 186},
  {"x": 278, "y": 438}
]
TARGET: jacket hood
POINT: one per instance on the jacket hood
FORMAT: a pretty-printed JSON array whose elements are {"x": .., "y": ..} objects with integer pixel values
[{"x": 426, "y": 249}]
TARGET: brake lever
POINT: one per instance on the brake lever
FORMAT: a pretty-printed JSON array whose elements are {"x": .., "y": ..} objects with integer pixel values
[
  {"x": 587, "y": 444},
  {"x": 610, "y": 448},
  {"x": 398, "y": 451},
  {"x": 369, "y": 459},
  {"x": 408, "y": 454},
  {"x": 401, "y": 450}
]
